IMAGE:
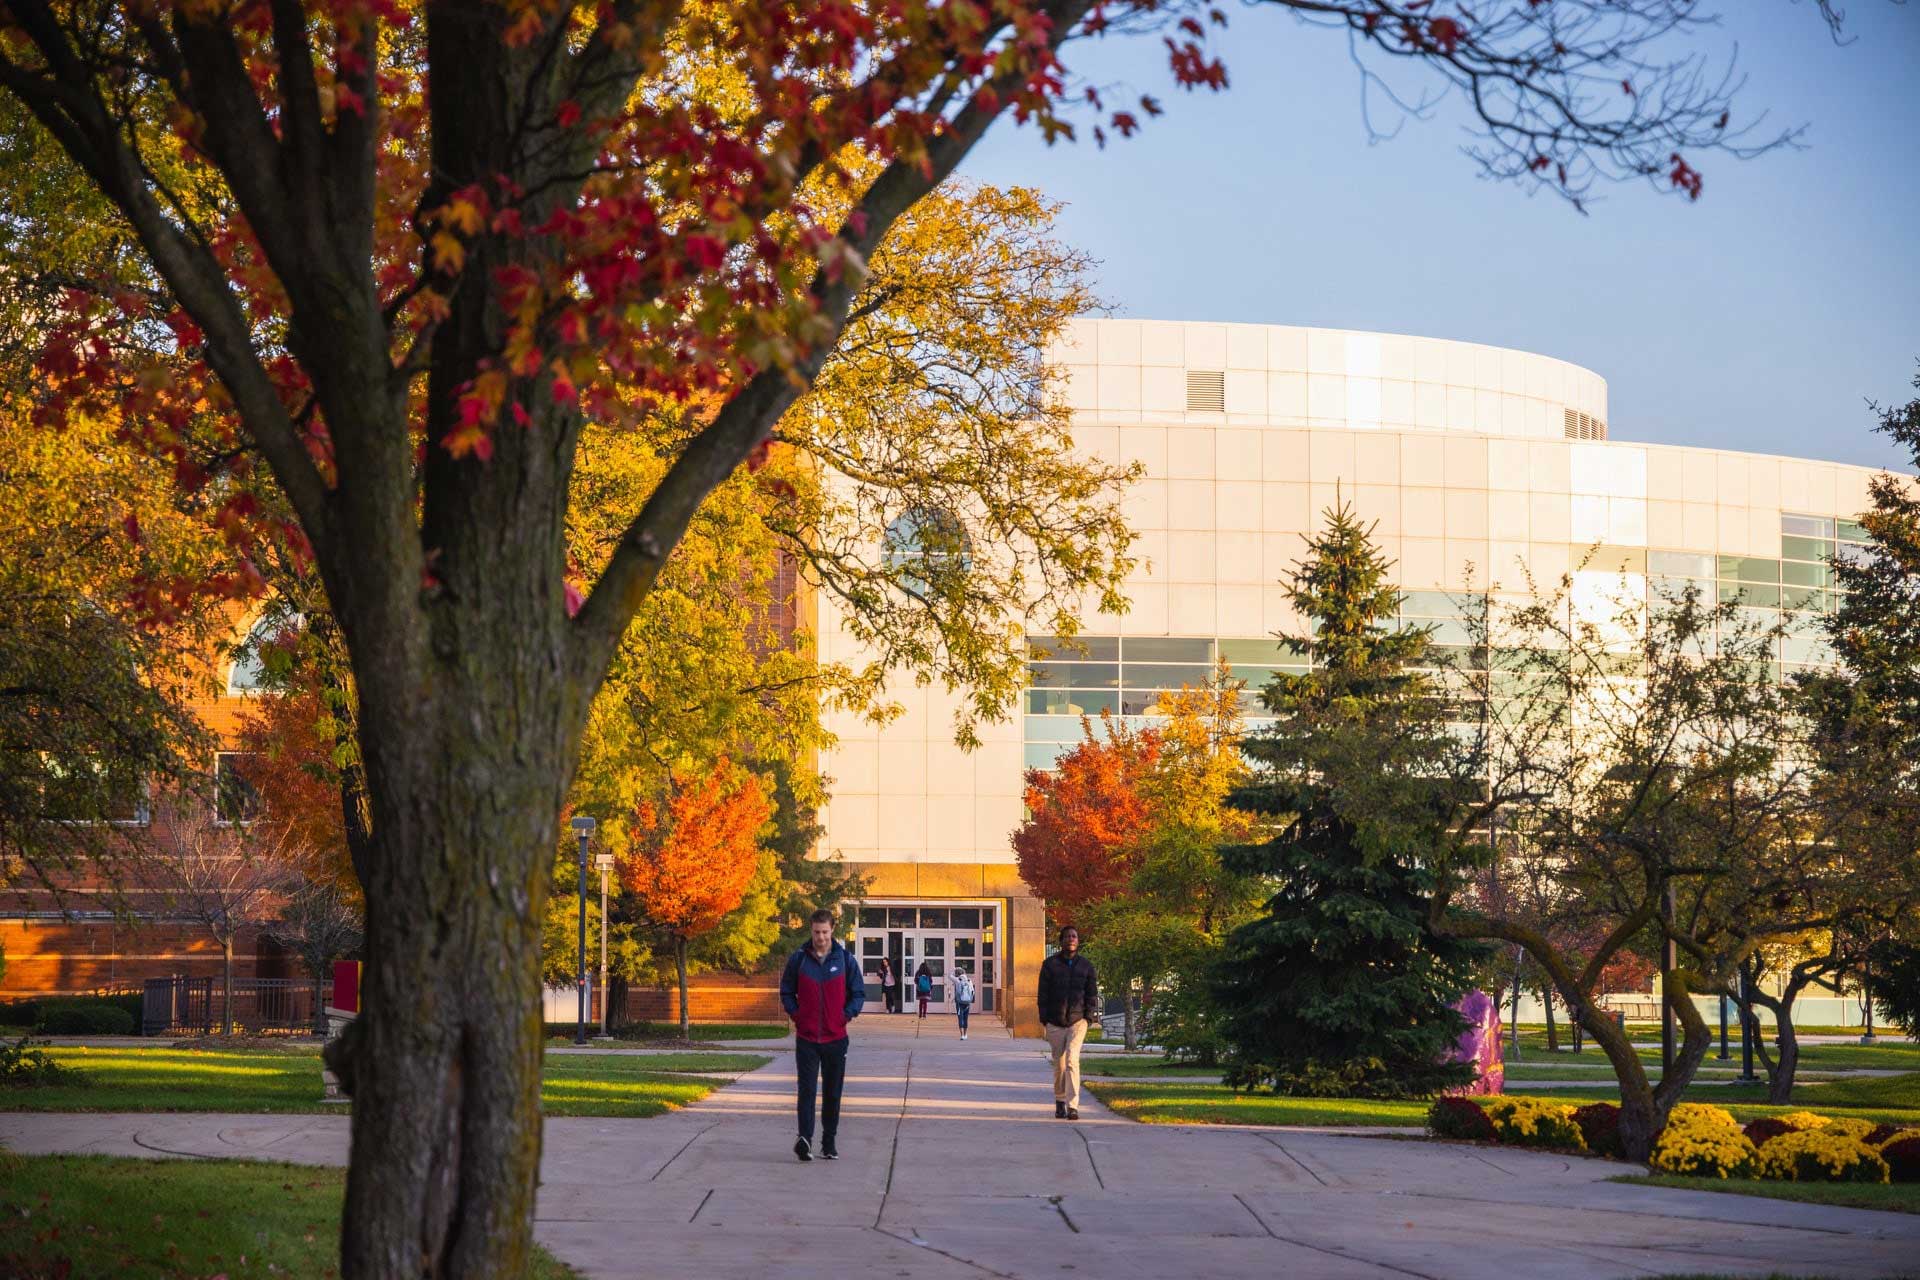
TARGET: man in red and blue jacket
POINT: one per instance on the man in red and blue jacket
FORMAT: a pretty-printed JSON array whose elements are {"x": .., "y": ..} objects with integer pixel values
[{"x": 822, "y": 991}]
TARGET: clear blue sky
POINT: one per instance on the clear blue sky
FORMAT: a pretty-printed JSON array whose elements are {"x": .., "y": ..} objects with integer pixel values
[{"x": 1762, "y": 317}]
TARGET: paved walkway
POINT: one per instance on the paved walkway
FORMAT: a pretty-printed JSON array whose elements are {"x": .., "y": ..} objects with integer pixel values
[{"x": 955, "y": 1167}]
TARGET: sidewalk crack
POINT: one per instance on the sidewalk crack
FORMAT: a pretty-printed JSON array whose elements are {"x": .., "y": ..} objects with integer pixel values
[
  {"x": 683, "y": 1150},
  {"x": 918, "y": 1243}
]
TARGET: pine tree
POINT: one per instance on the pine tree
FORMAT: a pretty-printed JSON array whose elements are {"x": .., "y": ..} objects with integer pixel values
[{"x": 1339, "y": 986}]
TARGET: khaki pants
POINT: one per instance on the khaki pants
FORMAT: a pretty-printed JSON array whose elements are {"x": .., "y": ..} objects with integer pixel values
[{"x": 1065, "y": 1043}]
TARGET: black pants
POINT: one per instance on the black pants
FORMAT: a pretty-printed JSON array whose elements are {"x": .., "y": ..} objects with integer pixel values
[{"x": 826, "y": 1063}]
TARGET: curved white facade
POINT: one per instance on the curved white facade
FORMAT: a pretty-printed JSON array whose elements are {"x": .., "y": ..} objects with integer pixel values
[{"x": 1473, "y": 461}]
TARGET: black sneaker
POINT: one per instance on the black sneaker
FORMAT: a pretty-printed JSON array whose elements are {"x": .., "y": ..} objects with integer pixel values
[
  {"x": 1059, "y": 1110},
  {"x": 828, "y": 1151},
  {"x": 803, "y": 1148},
  {"x": 1073, "y": 1113}
]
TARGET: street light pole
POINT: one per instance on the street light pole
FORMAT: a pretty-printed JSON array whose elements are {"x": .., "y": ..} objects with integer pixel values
[
  {"x": 583, "y": 827},
  {"x": 605, "y": 863}
]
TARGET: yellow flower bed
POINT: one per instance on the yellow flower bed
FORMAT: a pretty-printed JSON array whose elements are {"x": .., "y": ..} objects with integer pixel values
[
  {"x": 1528, "y": 1122},
  {"x": 1820, "y": 1155},
  {"x": 1803, "y": 1120},
  {"x": 1703, "y": 1141},
  {"x": 1847, "y": 1127}
]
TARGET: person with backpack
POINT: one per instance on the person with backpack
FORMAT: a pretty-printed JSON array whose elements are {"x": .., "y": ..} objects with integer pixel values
[
  {"x": 923, "y": 986},
  {"x": 822, "y": 991},
  {"x": 963, "y": 993}
]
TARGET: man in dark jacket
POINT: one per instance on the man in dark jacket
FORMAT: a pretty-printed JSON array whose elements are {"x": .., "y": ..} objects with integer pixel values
[
  {"x": 1069, "y": 1002},
  {"x": 822, "y": 991}
]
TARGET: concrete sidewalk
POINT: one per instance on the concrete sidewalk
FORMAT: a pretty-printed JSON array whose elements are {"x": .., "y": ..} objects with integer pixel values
[{"x": 955, "y": 1167}]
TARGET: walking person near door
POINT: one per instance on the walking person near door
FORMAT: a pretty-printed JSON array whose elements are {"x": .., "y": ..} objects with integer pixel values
[
  {"x": 889, "y": 987},
  {"x": 822, "y": 991},
  {"x": 923, "y": 986},
  {"x": 963, "y": 994},
  {"x": 1069, "y": 1001}
]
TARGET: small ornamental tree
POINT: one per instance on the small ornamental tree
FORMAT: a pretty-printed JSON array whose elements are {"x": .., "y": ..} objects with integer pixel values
[
  {"x": 382, "y": 262},
  {"x": 693, "y": 857},
  {"x": 1339, "y": 984},
  {"x": 1085, "y": 815}
]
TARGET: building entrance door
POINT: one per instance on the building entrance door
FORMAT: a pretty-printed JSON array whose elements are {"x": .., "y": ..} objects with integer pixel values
[{"x": 948, "y": 940}]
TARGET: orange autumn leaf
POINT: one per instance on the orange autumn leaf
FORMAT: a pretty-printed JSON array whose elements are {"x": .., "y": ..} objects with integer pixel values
[{"x": 694, "y": 856}]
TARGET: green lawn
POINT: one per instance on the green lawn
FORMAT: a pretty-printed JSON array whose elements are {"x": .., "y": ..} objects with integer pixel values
[
  {"x": 63, "y": 1216},
  {"x": 1888, "y": 1055},
  {"x": 289, "y": 1081},
  {"x": 1886, "y": 1098},
  {"x": 1149, "y": 1064},
  {"x": 1899, "y": 1197}
]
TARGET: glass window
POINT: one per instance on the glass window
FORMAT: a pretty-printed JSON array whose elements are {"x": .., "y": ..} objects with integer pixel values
[
  {"x": 1442, "y": 604},
  {"x": 248, "y": 672},
  {"x": 1073, "y": 675},
  {"x": 1071, "y": 702},
  {"x": 1267, "y": 649},
  {"x": 1166, "y": 649},
  {"x": 931, "y": 947},
  {"x": 1852, "y": 531},
  {"x": 873, "y": 946},
  {"x": 986, "y": 973},
  {"x": 1807, "y": 526},
  {"x": 1853, "y": 553},
  {"x": 986, "y": 946},
  {"x": 1805, "y": 548},
  {"x": 925, "y": 544},
  {"x": 1751, "y": 594},
  {"x": 873, "y": 917},
  {"x": 966, "y": 917},
  {"x": 900, "y": 917},
  {"x": 1141, "y": 702},
  {"x": 1078, "y": 649},
  {"x": 933, "y": 918},
  {"x": 1684, "y": 564},
  {"x": 1805, "y": 575},
  {"x": 1141, "y": 675},
  {"x": 1053, "y": 729},
  {"x": 1803, "y": 598},
  {"x": 963, "y": 948},
  {"x": 1676, "y": 588},
  {"x": 1043, "y": 755},
  {"x": 1749, "y": 568}
]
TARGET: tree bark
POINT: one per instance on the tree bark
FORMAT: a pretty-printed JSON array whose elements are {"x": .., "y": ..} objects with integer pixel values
[
  {"x": 680, "y": 964},
  {"x": 1780, "y": 1071},
  {"x": 1553, "y": 1031},
  {"x": 1130, "y": 1036},
  {"x": 226, "y": 984}
]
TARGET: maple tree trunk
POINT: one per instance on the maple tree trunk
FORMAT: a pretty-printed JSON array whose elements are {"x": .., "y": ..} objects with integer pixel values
[
  {"x": 680, "y": 963},
  {"x": 1553, "y": 1031}
]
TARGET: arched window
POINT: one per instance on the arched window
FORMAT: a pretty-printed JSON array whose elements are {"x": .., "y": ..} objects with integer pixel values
[
  {"x": 248, "y": 672},
  {"x": 921, "y": 542}
]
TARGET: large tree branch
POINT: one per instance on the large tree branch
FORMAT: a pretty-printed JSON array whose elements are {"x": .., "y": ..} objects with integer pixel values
[
  {"x": 749, "y": 417},
  {"x": 70, "y": 108}
]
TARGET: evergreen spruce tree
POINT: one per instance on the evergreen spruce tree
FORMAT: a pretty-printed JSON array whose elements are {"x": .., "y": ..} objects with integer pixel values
[{"x": 1339, "y": 986}]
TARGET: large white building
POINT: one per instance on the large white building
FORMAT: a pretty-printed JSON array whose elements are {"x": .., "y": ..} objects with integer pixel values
[{"x": 1473, "y": 460}]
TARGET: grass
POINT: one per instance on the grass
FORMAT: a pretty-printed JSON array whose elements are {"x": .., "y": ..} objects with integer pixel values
[
  {"x": 289, "y": 1081},
  {"x": 1889, "y": 1055},
  {"x": 1894, "y": 1099},
  {"x": 1107, "y": 1064},
  {"x": 1898, "y": 1197},
  {"x": 108, "y": 1216}
]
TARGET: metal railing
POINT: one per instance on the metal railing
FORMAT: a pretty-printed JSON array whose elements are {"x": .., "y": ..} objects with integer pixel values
[{"x": 197, "y": 1006}]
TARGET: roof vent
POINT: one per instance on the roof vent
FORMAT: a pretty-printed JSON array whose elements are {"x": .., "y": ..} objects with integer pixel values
[
  {"x": 1206, "y": 391},
  {"x": 1579, "y": 426}
]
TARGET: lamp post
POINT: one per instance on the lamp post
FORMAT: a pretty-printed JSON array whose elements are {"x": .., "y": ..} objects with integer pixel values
[
  {"x": 605, "y": 863},
  {"x": 583, "y": 827},
  {"x": 1724, "y": 1055}
]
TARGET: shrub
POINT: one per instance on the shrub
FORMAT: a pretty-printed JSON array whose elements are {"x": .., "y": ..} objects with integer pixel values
[
  {"x": 1882, "y": 1134},
  {"x": 1766, "y": 1127},
  {"x": 1702, "y": 1141},
  {"x": 1600, "y": 1125},
  {"x": 25, "y": 1068},
  {"x": 1360, "y": 1078},
  {"x": 1848, "y": 1127},
  {"x": 19, "y": 1013},
  {"x": 1903, "y": 1158},
  {"x": 1803, "y": 1120},
  {"x": 1460, "y": 1119},
  {"x": 85, "y": 1018},
  {"x": 1815, "y": 1155},
  {"x": 1526, "y": 1122}
]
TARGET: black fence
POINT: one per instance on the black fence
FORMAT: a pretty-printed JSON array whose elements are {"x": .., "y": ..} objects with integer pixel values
[{"x": 197, "y": 1006}]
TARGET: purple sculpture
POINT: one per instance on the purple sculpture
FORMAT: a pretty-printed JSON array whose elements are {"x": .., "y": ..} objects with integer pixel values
[{"x": 1480, "y": 1044}]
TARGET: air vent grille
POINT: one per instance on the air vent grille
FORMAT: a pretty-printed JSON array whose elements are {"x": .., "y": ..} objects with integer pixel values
[
  {"x": 1206, "y": 391},
  {"x": 1581, "y": 426}
]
